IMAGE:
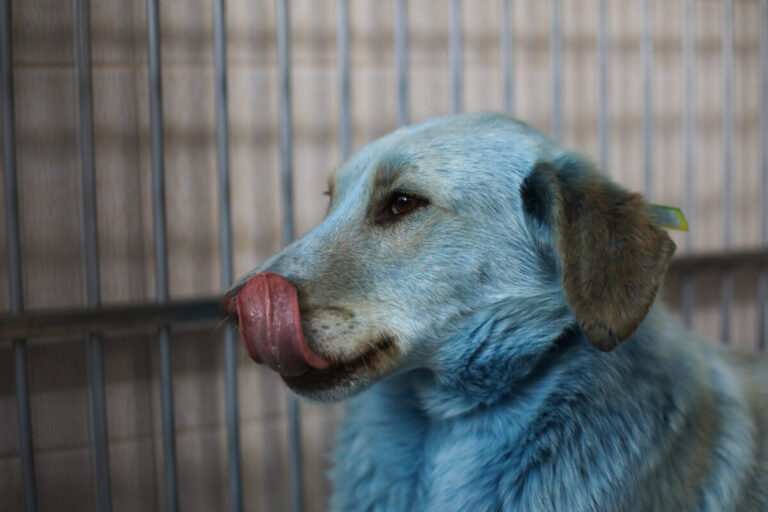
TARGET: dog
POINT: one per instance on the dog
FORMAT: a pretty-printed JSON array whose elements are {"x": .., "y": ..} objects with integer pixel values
[{"x": 487, "y": 303}]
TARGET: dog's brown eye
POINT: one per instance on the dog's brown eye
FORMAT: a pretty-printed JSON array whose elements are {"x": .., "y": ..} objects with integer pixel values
[
  {"x": 403, "y": 204},
  {"x": 396, "y": 206}
]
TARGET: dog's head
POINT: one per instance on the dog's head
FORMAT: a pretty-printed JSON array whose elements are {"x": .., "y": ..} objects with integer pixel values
[{"x": 434, "y": 235}]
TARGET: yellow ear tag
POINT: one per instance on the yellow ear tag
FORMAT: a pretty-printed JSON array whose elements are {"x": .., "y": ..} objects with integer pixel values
[{"x": 669, "y": 217}]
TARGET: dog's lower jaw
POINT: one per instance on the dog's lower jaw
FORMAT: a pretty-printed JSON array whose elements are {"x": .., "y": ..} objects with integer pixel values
[{"x": 345, "y": 378}]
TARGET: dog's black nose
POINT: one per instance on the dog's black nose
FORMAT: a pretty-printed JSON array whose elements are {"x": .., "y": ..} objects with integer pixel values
[{"x": 228, "y": 303}]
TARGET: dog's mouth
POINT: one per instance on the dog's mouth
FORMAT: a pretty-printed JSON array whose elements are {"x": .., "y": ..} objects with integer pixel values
[
  {"x": 267, "y": 313},
  {"x": 372, "y": 361}
]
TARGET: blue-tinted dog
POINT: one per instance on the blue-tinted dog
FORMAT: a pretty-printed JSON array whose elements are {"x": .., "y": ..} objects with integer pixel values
[{"x": 486, "y": 300}]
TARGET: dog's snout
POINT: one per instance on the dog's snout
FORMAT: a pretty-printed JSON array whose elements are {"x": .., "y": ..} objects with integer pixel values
[{"x": 228, "y": 303}]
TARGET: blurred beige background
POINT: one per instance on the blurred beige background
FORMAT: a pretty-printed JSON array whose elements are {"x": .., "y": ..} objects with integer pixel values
[{"x": 50, "y": 197}]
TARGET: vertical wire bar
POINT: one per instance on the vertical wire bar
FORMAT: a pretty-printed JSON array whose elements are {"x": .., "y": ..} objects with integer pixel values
[
  {"x": 161, "y": 257},
  {"x": 342, "y": 48},
  {"x": 11, "y": 187},
  {"x": 646, "y": 50},
  {"x": 95, "y": 363},
  {"x": 726, "y": 283},
  {"x": 507, "y": 57},
  {"x": 762, "y": 280},
  {"x": 295, "y": 455},
  {"x": 168, "y": 423},
  {"x": 555, "y": 59},
  {"x": 24, "y": 412},
  {"x": 286, "y": 152},
  {"x": 286, "y": 126},
  {"x": 457, "y": 70},
  {"x": 85, "y": 89},
  {"x": 688, "y": 289},
  {"x": 95, "y": 357},
  {"x": 225, "y": 240},
  {"x": 604, "y": 126},
  {"x": 401, "y": 62}
]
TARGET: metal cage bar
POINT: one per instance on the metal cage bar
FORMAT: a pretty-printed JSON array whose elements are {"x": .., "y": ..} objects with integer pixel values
[
  {"x": 24, "y": 412},
  {"x": 11, "y": 189},
  {"x": 646, "y": 51},
  {"x": 556, "y": 68},
  {"x": 457, "y": 68},
  {"x": 507, "y": 57},
  {"x": 69, "y": 321},
  {"x": 94, "y": 342},
  {"x": 225, "y": 241},
  {"x": 286, "y": 125},
  {"x": 604, "y": 122},
  {"x": 95, "y": 365},
  {"x": 94, "y": 348},
  {"x": 342, "y": 48},
  {"x": 401, "y": 61},
  {"x": 726, "y": 282},
  {"x": 286, "y": 161},
  {"x": 167, "y": 416},
  {"x": 762, "y": 280},
  {"x": 689, "y": 126},
  {"x": 170, "y": 471}
]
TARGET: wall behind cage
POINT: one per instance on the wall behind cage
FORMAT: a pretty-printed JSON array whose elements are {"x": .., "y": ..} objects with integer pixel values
[{"x": 51, "y": 212}]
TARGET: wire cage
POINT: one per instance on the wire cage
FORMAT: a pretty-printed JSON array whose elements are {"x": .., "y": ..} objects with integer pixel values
[{"x": 154, "y": 151}]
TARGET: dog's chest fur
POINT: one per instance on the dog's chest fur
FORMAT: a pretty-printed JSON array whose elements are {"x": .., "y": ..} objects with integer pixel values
[
  {"x": 393, "y": 457},
  {"x": 563, "y": 442}
]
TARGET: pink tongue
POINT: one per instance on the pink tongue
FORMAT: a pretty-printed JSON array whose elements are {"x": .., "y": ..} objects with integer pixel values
[{"x": 268, "y": 314}]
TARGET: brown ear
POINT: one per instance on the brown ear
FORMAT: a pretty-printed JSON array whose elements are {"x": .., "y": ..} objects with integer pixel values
[{"x": 612, "y": 257}]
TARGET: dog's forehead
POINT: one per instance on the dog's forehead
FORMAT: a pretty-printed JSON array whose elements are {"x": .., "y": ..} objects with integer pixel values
[{"x": 470, "y": 146}]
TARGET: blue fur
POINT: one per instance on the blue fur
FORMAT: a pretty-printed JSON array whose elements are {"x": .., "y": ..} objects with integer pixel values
[
  {"x": 498, "y": 401},
  {"x": 557, "y": 427}
]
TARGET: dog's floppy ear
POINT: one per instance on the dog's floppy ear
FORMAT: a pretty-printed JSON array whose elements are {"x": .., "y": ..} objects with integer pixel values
[{"x": 611, "y": 255}]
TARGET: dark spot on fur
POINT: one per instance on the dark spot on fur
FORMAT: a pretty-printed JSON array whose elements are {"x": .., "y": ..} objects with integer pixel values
[
  {"x": 482, "y": 274},
  {"x": 537, "y": 195}
]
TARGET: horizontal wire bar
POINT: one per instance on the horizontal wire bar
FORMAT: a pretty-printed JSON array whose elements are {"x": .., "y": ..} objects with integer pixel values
[
  {"x": 204, "y": 311},
  {"x": 58, "y": 322}
]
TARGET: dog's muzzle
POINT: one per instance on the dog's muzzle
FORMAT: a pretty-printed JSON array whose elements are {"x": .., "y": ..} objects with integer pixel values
[
  {"x": 266, "y": 310},
  {"x": 228, "y": 302}
]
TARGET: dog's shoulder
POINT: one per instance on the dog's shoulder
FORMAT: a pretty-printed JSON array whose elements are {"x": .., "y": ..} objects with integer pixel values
[{"x": 753, "y": 369}]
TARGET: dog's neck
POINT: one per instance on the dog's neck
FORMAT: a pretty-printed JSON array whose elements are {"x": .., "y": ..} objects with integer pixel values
[
  {"x": 501, "y": 362},
  {"x": 488, "y": 375}
]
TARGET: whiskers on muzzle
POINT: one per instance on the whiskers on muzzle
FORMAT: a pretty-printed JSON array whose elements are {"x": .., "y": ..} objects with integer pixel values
[{"x": 226, "y": 326}]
